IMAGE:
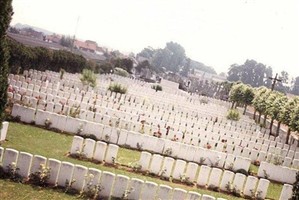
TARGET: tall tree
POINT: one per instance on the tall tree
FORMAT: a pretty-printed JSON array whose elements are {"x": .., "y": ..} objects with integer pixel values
[
  {"x": 251, "y": 72},
  {"x": 236, "y": 94},
  {"x": 5, "y": 18},
  {"x": 259, "y": 101},
  {"x": 247, "y": 97},
  {"x": 272, "y": 108},
  {"x": 286, "y": 115},
  {"x": 276, "y": 110}
]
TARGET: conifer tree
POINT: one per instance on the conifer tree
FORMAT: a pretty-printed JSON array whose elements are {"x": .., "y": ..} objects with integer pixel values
[{"x": 5, "y": 18}]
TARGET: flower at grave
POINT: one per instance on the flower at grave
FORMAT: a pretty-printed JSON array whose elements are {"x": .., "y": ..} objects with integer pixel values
[
  {"x": 91, "y": 176},
  {"x": 13, "y": 164}
]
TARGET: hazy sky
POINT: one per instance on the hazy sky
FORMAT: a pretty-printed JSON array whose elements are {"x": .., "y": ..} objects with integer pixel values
[{"x": 215, "y": 32}]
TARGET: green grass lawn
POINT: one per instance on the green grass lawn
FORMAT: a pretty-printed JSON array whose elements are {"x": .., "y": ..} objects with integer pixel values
[
  {"x": 55, "y": 145},
  {"x": 15, "y": 191}
]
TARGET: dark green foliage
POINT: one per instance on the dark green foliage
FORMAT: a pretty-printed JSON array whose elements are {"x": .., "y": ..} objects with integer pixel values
[
  {"x": 233, "y": 114},
  {"x": 118, "y": 88},
  {"x": 41, "y": 177},
  {"x": 251, "y": 72},
  {"x": 5, "y": 18},
  {"x": 242, "y": 171},
  {"x": 66, "y": 41},
  {"x": 88, "y": 78},
  {"x": 11, "y": 173},
  {"x": 121, "y": 72},
  {"x": 105, "y": 68},
  {"x": 40, "y": 58},
  {"x": 124, "y": 63},
  {"x": 157, "y": 87},
  {"x": 172, "y": 58},
  {"x": 295, "y": 195}
]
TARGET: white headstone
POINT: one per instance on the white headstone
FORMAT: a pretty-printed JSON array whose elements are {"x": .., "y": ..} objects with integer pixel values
[
  {"x": 145, "y": 159},
  {"x": 1, "y": 154},
  {"x": 207, "y": 197},
  {"x": 167, "y": 167},
  {"x": 88, "y": 148},
  {"x": 100, "y": 151},
  {"x": 156, "y": 164},
  {"x": 9, "y": 158},
  {"x": 107, "y": 180},
  {"x": 24, "y": 163},
  {"x": 149, "y": 190},
  {"x": 239, "y": 182},
  {"x": 54, "y": 166},
  {"x": 179, "y": 194},
  {"x": 92, "y": 178},
  {"x": 164, "y": 192},
  {"x": 227, "y": 180},
  {"x": 120, "y": 186},
  {"x": 65, "y": 174},
  {"x": 191, "y": 171},
  {"x": 179, "y": 169},
  {"x": 193, "y": 195},
  {"x": 286, "y": 193},
  {"x": 203, "y": 176},
  {"x": 262, "y": 188},
  {"x": 111, "y": 155},
  {"x": 242, "y": 163},
  {"x": 137, "y": 185},
  {"x": 3, "y": 131},
  {"x": 215, "y": 177},
  {"x": 78, "y": 177},
  {"x": 77, "y": 145},
  {"x": 250, "y": 185}
]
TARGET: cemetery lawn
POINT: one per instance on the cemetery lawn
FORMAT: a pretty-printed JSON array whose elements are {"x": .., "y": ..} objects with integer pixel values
[
  {"x": 50, "y": 144},
  {"x": 16, "y": 191}
]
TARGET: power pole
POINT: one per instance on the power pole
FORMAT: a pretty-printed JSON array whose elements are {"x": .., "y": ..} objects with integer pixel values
[
  {"x": 73, "y": 41},
  {"x": 274, "y": 80}
]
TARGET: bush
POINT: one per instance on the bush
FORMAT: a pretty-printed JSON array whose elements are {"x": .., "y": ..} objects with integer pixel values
[
  {"x": 41, "y": 177},
  {"x": 157, "y": 87},
  {"x": 118, "y": 88},
  {"x": 88, "y": 78},
  {"x": 233, "y": 114},
  {"x": 121, "y": 72}
]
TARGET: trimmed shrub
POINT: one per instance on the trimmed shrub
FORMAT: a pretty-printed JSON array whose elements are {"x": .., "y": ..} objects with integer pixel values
[
  {"x": 121, "y": 72},
  {"x": 118, "y": 88},
  {"x": 157, "y": 87},
  {"x": 233, "y": 114}
]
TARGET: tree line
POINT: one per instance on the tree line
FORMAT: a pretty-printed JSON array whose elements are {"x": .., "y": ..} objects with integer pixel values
[
  {"x": 257, "y": 74},
  {"x": 172, "y": 58},
  {"x": 273, "y": 105},
  {"x": 23, "y": 57}
]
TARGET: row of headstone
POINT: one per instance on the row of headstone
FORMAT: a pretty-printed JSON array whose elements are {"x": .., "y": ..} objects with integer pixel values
[
  {"x": 81, "y": 178},
  {"x": 277, "y": 173},
  {"x": 207, "y": 176},
  {"x": 57, "y": 75},
  {"x": 91, "y": 116},
  {"x": 133, "y": 139},
  {"x": 123, "y": 137},
  {"x": 58, "y": 108},
  {"x": 91, "y": 149}
]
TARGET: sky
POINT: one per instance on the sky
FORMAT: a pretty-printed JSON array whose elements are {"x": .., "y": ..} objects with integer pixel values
[{"x": 217, "y": 33}]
